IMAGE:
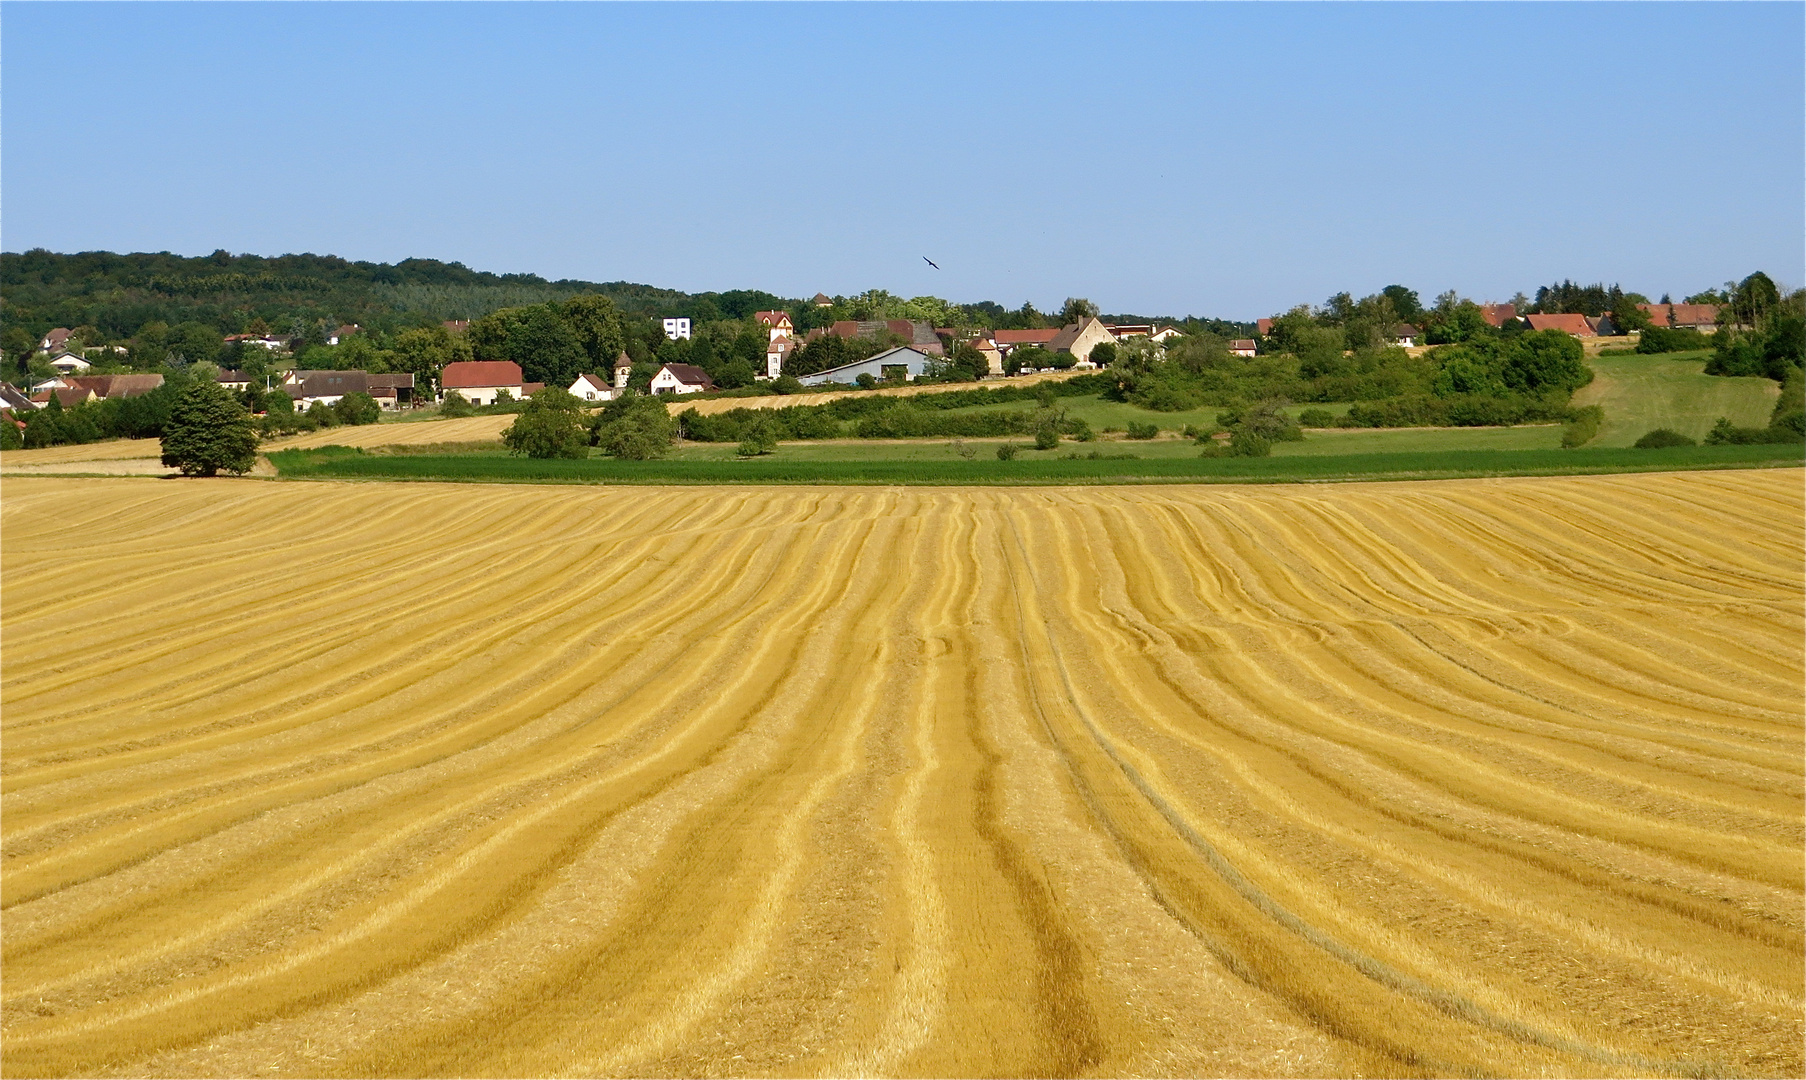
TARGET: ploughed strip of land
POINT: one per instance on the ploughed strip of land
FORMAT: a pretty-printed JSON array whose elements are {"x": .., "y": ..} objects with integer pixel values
[{"x": 1470, "y": 776}]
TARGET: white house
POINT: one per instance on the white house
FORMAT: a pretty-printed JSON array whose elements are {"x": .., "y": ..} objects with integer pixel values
[
  {"x": 677, "y": 328},
  {"x": 1242, "y": 347},
  {"x": 342, "y": 333},
  {"x": 481, "y": 380},
  {"x": 901, "y": 362},
  {"x": 775, "y": 354},
  {"x": 681, "y": 379},
  {"x": 592, "y": 388},
  {"x": 1406, "y": 335},
  {"x": 69, "y": 363}
]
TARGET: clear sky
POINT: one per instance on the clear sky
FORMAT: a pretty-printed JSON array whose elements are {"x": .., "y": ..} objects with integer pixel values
[{"x": 1213, "y": 159}]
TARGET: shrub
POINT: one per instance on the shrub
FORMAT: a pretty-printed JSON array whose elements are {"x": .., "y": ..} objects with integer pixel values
[
  {"x": 865, "y": 381},
  {"x": 1660, "y": 339},
  {"x": 1663, "y": 437},
  {"x": 207, "y": 432},
  {"x": 1138, "y": 430},
  {"x": 1007, "y": 452},
  {"x": 1046, "y": 438},
  {"x": 1247, "y": 443},
  {"x": 786, "y": 384},
  {"x": 1725, "y": 433},
  {"x": 1103, "y": 354},
  {"x": 1316, "y": 418},
  {"x": 456, "y": 404},
  {"x": 10, "y": 436},
  {"x": 634, "y": 427},
  {"x": 357, "y": 407},
  {"x": 550, "y": 426},
  {"x": 1583, "y": 428}
]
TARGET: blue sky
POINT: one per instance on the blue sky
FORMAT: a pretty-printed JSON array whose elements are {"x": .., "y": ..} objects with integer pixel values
[{"x": 1215, "y": 159}]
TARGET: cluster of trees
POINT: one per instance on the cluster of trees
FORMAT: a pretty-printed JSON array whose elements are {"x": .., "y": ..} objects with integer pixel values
[
  {"x": 920, "y": 416},
  {"x": 555, "y": 424},
  {"x": 1489, "y": 377},
  {"x": 1772, "y": 342}
]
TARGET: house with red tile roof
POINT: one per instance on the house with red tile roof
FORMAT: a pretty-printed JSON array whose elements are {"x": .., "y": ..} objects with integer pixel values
[
  {"x": 1701, "y": 317},
  {"x": 479, "y": 381},
  {"x": 1572, "y": 324},
  {"x": 1497, "y": 315},
  {"x": 55, "y": 340},
  {"x": 1242, "y": 347}
]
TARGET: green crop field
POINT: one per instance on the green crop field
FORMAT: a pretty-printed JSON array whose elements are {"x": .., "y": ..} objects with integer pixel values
[
  {"x": 1671, "y": 390},
  {"x": 353, "y": 464}
]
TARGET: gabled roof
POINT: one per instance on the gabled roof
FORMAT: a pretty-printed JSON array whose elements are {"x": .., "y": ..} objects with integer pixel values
[
  {"x": 1025, "y": 337},
  {"x": 12, "y": 398},
  {"x": 528, "y": 389},
  {"x": 596, "y": 381},
  {"x": 66, "y": 355},
  {"x": 1404, "y": 330},
  {"x": 227, "y": 375},
  {"x": 781, "y": 343},
  {"x": 771, "y": 318},
  {"x": 689, "y": 374},
  {"x": 1243, "y": 344},
  {"x": 1576, "y": 325},
  {"x": 323, "y": 384},
  {"x": 1263, "y": 327},
  {"x": 822, "y": 300},
  {"x": 390, "y": 380},
  {"x": 67, "y": 396},
  {"x": 56, "y": 338},
  {"x": 1497, "y": 315},
  {"x": 623, "y": 360},
  {"x": 468, "y": 374},
  {"x": 115, "y": 386},
  {"x": 1681, "y": 314}
]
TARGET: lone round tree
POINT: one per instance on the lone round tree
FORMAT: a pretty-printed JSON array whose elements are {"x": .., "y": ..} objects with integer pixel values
[{"x": 207, "y": 431}]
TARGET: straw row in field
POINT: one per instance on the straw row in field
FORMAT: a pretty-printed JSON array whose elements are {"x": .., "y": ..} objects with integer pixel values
[{"x": 361, "y": 780}]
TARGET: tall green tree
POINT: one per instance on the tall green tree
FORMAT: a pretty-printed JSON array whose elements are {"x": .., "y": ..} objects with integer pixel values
[{"x": 208, "y": 432}]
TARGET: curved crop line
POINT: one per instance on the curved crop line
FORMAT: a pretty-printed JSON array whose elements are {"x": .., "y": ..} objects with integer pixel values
[{"x": 1443, "y": 1001}]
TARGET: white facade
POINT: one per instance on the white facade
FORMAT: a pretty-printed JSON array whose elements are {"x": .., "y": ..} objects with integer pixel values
[
  {"x": 68, "y": 363},
  {"x": 665, "y": 382},
  {"x": 592, "y": 388},
  {"x": 775, "y": 353},
  {"x": 485, "y": 395},
  {"x": 677, "y": 328}
]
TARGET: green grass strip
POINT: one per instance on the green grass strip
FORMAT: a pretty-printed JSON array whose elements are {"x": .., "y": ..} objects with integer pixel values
[{"x": 339, "y": 463}]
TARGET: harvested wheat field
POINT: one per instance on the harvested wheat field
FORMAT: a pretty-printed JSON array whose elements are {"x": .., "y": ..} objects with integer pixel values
[{"x": 1468, "y": 777}]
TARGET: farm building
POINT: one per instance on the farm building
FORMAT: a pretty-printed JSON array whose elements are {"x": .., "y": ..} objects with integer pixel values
[
  {"x": 902, "y": 362},
  {"x": 1574, "y": 325},
  {"x": 479, "y": 381}
]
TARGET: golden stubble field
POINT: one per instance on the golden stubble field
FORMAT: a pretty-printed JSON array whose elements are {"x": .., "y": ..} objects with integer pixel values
[{"x": 1442, "y": 778}]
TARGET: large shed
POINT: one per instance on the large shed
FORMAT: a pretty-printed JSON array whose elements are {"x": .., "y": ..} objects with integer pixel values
[{"x": 902, "y": 360}]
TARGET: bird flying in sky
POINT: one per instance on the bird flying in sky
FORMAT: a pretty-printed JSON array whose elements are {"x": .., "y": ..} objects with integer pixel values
[{"x": 930, "y": 262}]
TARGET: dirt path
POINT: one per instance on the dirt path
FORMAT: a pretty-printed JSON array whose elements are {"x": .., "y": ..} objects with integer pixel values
[{"x": 372, "y": 780}]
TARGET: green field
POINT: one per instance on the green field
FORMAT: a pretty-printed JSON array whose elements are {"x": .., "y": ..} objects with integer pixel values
[
  {"x": 1639, "y": 393},
  {"x": 343, "y": 464}
]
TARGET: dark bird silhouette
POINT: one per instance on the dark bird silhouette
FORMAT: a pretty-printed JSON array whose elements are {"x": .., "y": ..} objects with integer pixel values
[{"x": 929, "y": 261}]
